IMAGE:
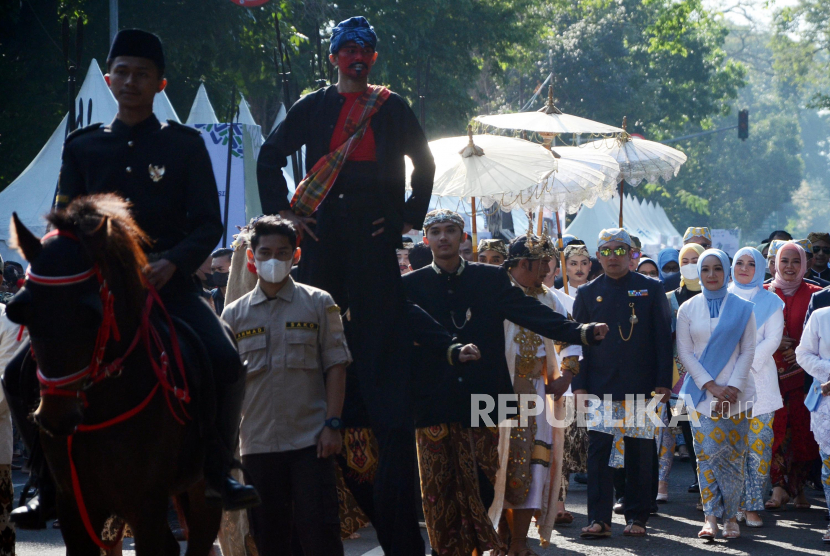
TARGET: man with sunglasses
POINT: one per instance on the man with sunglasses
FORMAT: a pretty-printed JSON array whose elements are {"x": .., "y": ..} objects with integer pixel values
[
  {"x": 634, "y": 359},
  {"x": 821, "y": 255}
]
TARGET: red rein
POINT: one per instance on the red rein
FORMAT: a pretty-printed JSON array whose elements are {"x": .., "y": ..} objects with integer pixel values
[{"x": 96, "y": 371}]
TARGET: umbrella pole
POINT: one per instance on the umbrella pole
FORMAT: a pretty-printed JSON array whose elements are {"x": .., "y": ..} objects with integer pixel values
[
  {"x": 622, "y": 184},
  {"x": 561, "y": 252},
  {"x": 475, "y": 227},
  {"x": 539, "y": 223}
]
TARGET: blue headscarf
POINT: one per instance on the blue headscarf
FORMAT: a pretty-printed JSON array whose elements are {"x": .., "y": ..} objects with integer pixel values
[
  {"x": 766, "y": 303},
  {"x": 715, "y": 298},
  {"x": 664, "y": 257},
  {"x": 726, "y": 334},
  {"x": 355, "y": 29}
]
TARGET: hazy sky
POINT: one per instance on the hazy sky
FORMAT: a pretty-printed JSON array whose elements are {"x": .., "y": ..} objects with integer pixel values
[{"x": 760, "y": 11}]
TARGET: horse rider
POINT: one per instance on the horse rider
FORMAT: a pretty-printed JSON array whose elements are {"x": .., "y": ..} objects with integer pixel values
[{"x": 164, "y": 170}]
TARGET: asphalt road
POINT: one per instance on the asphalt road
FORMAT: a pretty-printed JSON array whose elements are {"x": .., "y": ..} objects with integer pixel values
[{"x": 672, "y": 532}]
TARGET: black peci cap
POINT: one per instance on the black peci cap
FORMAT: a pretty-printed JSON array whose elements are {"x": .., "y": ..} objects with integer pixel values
[{"x": 138, "y": 43}]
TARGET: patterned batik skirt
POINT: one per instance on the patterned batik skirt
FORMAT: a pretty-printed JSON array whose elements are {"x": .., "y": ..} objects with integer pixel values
[
  {"x": 575, "y": 452},
  {"x": 720, "y": 445},
  {"x": 759, "y": 453},
  {"x": 449, "y": 457}
]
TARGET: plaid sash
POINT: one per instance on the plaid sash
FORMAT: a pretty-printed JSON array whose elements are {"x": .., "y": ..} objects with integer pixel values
[{"x": 317, "y": 184}]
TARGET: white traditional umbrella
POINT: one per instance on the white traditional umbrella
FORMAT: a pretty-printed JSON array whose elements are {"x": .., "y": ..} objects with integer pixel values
[
  {"x": 548, "y": 119},
  {"x": 639, "y": 159},
  {"x": 487, "y": 166}
]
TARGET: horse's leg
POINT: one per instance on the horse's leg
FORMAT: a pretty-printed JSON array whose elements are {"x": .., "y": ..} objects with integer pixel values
[
  {"x": 75, "y": 536},
  {"x": 151, "y": 531},
  {"x": 202, "y": 522}
]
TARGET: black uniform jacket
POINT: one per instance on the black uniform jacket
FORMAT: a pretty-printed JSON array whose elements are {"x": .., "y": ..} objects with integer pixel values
[
  {"x": 485, "y": 294},
  {"x": 164, "y": 170},
  {"x": 616, "y": 366},
  {"x": 311, "y": 122}
]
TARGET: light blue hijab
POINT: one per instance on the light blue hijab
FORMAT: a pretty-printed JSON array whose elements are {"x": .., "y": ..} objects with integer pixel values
[
  {"x": 715, "y": 298},
  {"x": 728, "y": 331},
  {"x": 766, "y": 303},
  {"x": 664, "y": 257}
]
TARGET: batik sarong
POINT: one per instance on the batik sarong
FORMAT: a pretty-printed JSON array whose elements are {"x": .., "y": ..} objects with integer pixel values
[
  {"x": 618, "y": 409},
  {"x": 825, "y": 475},
  {"x": 720, "y": 445},
  {"x": 575, "y": 451},
  {"x": 449, "y": 457},
  {"x": 759, "y": 453}
]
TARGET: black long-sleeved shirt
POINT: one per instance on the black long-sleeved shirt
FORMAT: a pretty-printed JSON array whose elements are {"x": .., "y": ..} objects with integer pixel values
[
  {"x": 619, "y": 367},
  {"x": 164, "y": 170},
  {"x": 473, "y": 304},
  {"x": 311, "y": 122}
]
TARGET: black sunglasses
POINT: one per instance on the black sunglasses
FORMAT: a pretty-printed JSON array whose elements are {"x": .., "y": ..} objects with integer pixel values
[{"x": 825, "y": 250}]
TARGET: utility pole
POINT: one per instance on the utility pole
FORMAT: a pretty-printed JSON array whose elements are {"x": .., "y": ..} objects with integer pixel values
[{"x": 113, "y": 19}]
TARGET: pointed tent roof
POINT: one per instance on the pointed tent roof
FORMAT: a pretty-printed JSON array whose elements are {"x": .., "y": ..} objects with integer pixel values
[
  {"x": 245, "y": 116},
  {"x": 202, "y": 111},
  {"x": 278, "y": 120},
  {"x": 32, "y": 193},
  {"x": 163, "y": 109}
]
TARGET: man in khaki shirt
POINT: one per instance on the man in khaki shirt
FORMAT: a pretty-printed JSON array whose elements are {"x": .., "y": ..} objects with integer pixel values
[{"x": 291, "y": 336}]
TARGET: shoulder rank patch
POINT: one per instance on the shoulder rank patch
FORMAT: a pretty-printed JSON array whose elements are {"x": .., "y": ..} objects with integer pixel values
[
  {"x": 81, "y": 130},
  {"x": 302, "y": 326},
  {"x": 333, "y": 309},
  {"x": 174, "y": 125},
  {"x": 251, "y": 332},
  {"x": 637, "y": 293}
]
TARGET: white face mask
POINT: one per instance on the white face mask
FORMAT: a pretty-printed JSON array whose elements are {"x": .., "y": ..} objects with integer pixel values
[
  {"x": 689, "y": 272},
  {"x": 273, "y": 270}
]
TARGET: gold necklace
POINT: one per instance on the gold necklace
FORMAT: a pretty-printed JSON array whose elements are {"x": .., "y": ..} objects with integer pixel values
[{"x": 633, "y": 320}]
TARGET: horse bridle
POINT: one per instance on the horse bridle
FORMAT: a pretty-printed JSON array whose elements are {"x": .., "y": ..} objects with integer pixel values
[{"x": 97, "y": 371}]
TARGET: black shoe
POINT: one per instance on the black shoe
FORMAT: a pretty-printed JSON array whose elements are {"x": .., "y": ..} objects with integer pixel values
[
  {"x": 33, "y": 515},
  {"x": 694, "y": 487},
  {"x": 619, "y": 507},
  {"x": 233, "y": 496},
  {"x": 581, "y": 478}
]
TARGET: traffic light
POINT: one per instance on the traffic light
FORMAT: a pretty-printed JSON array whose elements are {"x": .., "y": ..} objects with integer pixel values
[{"x": 743, "y": 124}]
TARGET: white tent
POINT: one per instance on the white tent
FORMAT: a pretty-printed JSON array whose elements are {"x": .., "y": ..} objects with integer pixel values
[
  {"x": 32, "y": 193},
  {"x": 163, "y": 109},
  {"x": 646, "y": 221},
  {"x": 202, "y": 111}
]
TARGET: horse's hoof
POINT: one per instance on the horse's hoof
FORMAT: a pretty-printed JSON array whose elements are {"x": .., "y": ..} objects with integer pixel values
[{"x": 33, "y": 515}]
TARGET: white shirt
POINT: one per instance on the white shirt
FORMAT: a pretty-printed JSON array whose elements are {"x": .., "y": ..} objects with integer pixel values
[
  {"x": 767, "y": 340},
  {"x": 694, "y": 329},
  {"x": 8, "y": 346},
  {"x": 813, "y": 354}
]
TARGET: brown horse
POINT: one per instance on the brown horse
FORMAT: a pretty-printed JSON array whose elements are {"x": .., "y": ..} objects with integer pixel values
[{"x": 116, "y": 421}]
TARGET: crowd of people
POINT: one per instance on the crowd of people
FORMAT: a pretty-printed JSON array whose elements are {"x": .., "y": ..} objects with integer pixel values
[{"x": 363, "y": 377}]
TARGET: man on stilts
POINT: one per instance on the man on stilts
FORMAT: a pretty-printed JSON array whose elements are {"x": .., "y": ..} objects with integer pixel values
[{"x": 351, "y": 209}]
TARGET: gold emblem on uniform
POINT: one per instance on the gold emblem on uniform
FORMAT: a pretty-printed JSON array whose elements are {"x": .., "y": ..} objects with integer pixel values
[
  {"x": 156, "y": 173},
  {"x": 599, "y": 299}
]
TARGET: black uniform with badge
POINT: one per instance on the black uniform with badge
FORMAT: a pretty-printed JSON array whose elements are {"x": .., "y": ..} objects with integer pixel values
[
  {"x": 635, "y": 358},
  {"x": 164, "y": 170}
]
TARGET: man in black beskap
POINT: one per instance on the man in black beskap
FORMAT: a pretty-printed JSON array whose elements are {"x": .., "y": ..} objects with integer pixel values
[
  {"x": 164, "y": 171},
  {"x": 457, "y": 453},
  {"x": 352, "y": 211}
]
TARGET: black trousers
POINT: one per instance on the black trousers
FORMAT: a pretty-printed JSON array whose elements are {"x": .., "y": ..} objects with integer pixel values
[
  {"x": 640, "y": 468},
  {"x": 361, "y": 272},
  {"x": 619, "y": 481},
  {"x": 299, "y": 497},
  {"x": 686, "y": 427}
]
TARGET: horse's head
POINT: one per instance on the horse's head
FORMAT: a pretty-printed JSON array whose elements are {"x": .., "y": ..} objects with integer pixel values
[{"x": 61, "y": 303}]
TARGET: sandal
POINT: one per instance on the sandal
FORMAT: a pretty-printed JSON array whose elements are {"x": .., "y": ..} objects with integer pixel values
[
  {"x": 779, "y": 504},
  {"x": 731, "y": 530},
  {"x": 627, "y": 532},
  {"x": 563, "y": 518},
  {"x": 604, "y": 532},
  {"x": 708, "y": 531}
]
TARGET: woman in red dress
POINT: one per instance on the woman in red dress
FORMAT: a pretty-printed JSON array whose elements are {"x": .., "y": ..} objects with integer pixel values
[{"x": 794, "y": 448}]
